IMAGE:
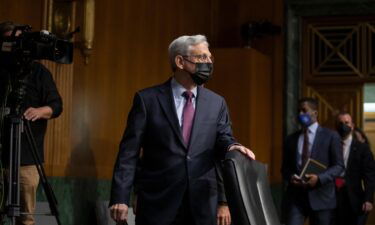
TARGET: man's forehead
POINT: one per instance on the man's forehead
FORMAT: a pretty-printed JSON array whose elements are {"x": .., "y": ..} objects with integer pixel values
[
  {"x": 304, "y": 105},
  {"x": 345, "y": 117},
  {"x": 201, "y": 47}
]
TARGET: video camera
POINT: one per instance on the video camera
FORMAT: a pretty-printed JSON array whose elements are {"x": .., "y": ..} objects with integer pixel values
[{"x": 23, "y": 45}]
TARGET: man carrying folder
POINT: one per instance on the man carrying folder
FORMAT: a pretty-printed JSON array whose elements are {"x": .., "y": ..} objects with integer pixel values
[{"x": 312, "y": 196}]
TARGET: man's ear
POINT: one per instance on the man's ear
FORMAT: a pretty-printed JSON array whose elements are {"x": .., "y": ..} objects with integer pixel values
[
  {"x": 316, "y": 114},
  {"x": 179, "y": 62}
]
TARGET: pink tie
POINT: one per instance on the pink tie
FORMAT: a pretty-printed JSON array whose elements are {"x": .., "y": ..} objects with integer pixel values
[{"x": 187, "y": 116}]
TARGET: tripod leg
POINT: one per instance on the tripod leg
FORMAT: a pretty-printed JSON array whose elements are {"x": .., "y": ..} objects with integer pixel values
[
  {"x": 52, "y": 200},
  {"x": 13, "y": 209}
]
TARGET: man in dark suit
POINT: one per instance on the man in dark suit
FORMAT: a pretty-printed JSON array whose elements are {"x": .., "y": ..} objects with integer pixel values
[
  {"x": 182, "y": 128},
  {"x": 354, "y": 201},
  {"x": 314, "y": 196}
]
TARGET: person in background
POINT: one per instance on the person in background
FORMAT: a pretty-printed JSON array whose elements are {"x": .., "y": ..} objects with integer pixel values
[
  {"x": 360, "y": 136},
  {"x": 355, "y": 186},
  {"x": 42, "y": 102},
  {"x": 314, "y": 198}
]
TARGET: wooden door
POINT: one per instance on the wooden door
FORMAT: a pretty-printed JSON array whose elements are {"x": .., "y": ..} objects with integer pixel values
[{"x": 338, "y": 58}]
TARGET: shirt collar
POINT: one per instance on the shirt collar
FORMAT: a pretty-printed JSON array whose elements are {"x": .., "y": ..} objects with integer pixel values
[
  {"x": 348, "y": 141},
  {"x": 178, "y": 89},
  {"x": 313, "y": 127}
]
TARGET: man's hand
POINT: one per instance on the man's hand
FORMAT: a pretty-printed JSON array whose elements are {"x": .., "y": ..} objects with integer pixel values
[
  {"x": 33, "y": 114},
  {"x": 367, "y": 207},
  {"x": 296, "y": 181},
  {"x": 119, "y": 213},
  {"x": 244, "y": 150},
  {"x": 223, "y": 215},
  {"x": 312, "y": 180}
]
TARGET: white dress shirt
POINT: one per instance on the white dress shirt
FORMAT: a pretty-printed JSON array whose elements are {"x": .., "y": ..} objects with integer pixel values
[
  {"x": 179, "y": 100},
  {"x": 346, "y": 151}
]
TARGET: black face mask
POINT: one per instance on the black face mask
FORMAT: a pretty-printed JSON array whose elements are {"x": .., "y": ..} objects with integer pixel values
[
  {"x": 344, "y": 130},
  {"x": 203, "y": 72}
]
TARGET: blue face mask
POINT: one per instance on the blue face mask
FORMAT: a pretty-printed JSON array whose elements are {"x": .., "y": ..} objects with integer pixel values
[{"x": 304, "y": 119}]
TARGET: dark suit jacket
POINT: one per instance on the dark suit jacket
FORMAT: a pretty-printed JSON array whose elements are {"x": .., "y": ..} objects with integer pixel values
[
  {"x": 169, "y": 168},
  {"x": 327, "y": 150},
  {"x": 360, "y": 168},
  {"x": 220, "y": 182}
]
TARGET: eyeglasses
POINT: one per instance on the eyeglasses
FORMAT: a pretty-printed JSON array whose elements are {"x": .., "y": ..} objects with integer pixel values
[{"x": 201, "y": 58}]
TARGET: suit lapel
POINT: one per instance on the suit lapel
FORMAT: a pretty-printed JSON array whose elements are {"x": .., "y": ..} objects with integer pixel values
[
  {"x": 166, "y": 101},
  {"x": 200, "y": 110},
  {"x": 318, "y": 136},
  {"x": 294, "y": 147}
]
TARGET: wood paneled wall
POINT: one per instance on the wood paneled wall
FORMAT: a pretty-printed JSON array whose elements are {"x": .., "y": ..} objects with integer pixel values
[
  {"x": 246, "y": 86},
  {"x": 130, "y": 53},
  {"x": 58, "y": 139},
  {"x": 369, "y": 128},
  {"x": 23, "y": 12},
  {"x": 131, "y": 42}
]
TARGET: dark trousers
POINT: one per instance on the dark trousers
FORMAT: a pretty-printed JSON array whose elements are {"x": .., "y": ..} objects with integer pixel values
[
  {"x": 184, "y": 215},
  {"x": 344, "y": 213},
  {"x": 299, "y": 210}
]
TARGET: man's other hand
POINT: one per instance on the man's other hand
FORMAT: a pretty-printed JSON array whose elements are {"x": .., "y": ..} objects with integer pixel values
[
  {"x": 119, "y": 213},
  {"x": 367, "y": 207},
  {"x": 223, "y": 215},
  {"x": 33, "y": 114},
  {"x": 244, "y": 150},
  {"x": 312, "y": 180},
  {"x": 297, "y": 181}
]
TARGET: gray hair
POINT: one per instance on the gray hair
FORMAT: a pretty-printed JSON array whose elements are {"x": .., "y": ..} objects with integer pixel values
[{"x": 181, "y": 46}]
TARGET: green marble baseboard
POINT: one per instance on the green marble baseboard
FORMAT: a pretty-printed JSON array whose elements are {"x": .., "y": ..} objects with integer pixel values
[{"x": 77, "y": 198}]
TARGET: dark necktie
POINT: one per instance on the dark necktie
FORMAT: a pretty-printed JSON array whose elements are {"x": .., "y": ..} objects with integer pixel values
[
  {"x": 340, "y": 181},
  {"x": 305, "y": 148},
  {"x": 187, "y": 116}
]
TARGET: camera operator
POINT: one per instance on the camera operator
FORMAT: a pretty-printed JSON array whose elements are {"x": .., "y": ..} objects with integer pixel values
[{"x": 41, "y": 102}]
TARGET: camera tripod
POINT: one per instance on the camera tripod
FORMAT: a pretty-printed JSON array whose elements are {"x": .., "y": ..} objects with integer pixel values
[{"x": 17, "y": 126}]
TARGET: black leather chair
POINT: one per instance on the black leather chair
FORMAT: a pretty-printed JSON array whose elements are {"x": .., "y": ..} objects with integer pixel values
[{"x": 248, "y": 191}]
